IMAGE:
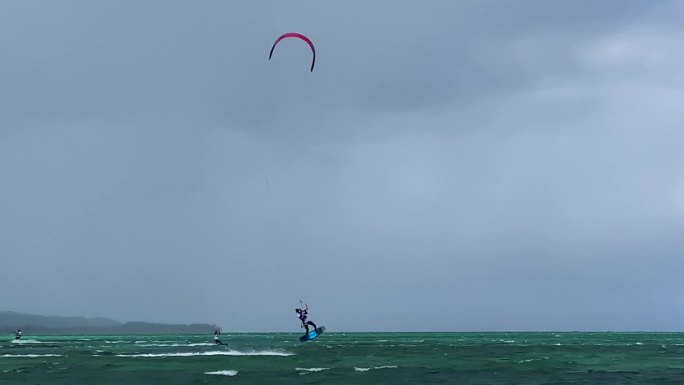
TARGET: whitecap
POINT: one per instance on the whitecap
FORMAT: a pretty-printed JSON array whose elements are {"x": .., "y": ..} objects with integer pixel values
[
  {"x": 212, "y": 353},
  {"x": 532, "y": 360},
  {"x": 311, "y": 369},
  {"x": 29, "y": 355},
  {"x": 223, "y": 373},
  {"x": 375, "y": 368},
  {"x": 176, "y": 345}
]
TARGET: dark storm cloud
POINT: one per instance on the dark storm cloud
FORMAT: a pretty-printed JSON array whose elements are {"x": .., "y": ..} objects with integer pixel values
[{"x": 469, "y": 165}]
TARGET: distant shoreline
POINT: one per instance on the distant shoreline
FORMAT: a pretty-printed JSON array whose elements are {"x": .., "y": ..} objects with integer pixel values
[{"x": 60, "y": 325}]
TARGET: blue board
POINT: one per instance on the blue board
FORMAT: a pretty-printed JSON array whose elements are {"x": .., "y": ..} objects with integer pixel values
[{"x": 312, "y": 334}]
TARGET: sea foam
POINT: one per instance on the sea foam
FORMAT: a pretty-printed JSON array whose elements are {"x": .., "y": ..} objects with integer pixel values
[
  {"x": 375, "y": 368},
  {"x": 223, "y": 373},
  {"x": 212, "y": 353}
]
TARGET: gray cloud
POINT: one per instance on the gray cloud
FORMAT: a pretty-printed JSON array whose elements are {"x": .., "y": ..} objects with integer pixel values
[{"x": 447, "y": 166}]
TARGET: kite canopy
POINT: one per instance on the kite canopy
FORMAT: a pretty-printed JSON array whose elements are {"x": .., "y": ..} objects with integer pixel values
[{"x": 300, "y": 36}]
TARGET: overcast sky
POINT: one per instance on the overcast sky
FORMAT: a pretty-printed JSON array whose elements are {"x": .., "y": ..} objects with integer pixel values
[{"x": 448, "y": 165}]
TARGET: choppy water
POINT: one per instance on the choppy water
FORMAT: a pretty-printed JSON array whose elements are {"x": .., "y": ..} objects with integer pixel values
[{"x": 347, "y": 358}]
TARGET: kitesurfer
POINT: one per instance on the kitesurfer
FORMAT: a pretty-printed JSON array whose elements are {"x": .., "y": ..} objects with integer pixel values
[
  {"x": 17, "y": 335},
  {"x": 217, "y": 334},
  {"x": 302, "y": 314}
]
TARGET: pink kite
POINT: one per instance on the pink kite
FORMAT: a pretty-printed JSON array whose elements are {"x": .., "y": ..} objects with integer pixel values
[{"x": 299, "y": 35}]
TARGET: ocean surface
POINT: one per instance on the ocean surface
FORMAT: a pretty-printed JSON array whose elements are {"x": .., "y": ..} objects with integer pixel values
[{"x": 347, "y": 358}]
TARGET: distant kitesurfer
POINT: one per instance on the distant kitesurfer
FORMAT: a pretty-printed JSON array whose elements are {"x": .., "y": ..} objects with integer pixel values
[
  {"x": 217, "y": 335},
  {"x": 17, "y": 335},
  {"x": 302, "y": 314}
]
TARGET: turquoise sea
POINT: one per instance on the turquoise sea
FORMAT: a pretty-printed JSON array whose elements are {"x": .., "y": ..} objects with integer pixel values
[{"x": 347, "y": 358}]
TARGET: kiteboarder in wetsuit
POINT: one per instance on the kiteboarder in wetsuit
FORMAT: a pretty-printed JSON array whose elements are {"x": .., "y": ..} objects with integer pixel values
[
  {"x": 17, "y": 335},
  {"x": 302, "y": 314},
  {"x": 217, "y": 334}
]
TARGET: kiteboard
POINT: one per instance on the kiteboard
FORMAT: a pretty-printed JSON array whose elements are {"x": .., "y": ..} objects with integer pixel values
[{"x": 312, "y": 334}]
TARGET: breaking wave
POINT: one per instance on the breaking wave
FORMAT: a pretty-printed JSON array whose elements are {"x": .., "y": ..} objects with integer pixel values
[
  {"x": 223, "y": 373},
  {"x": 212, "y": 353},
  {"x": 375, "y": 368}
]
